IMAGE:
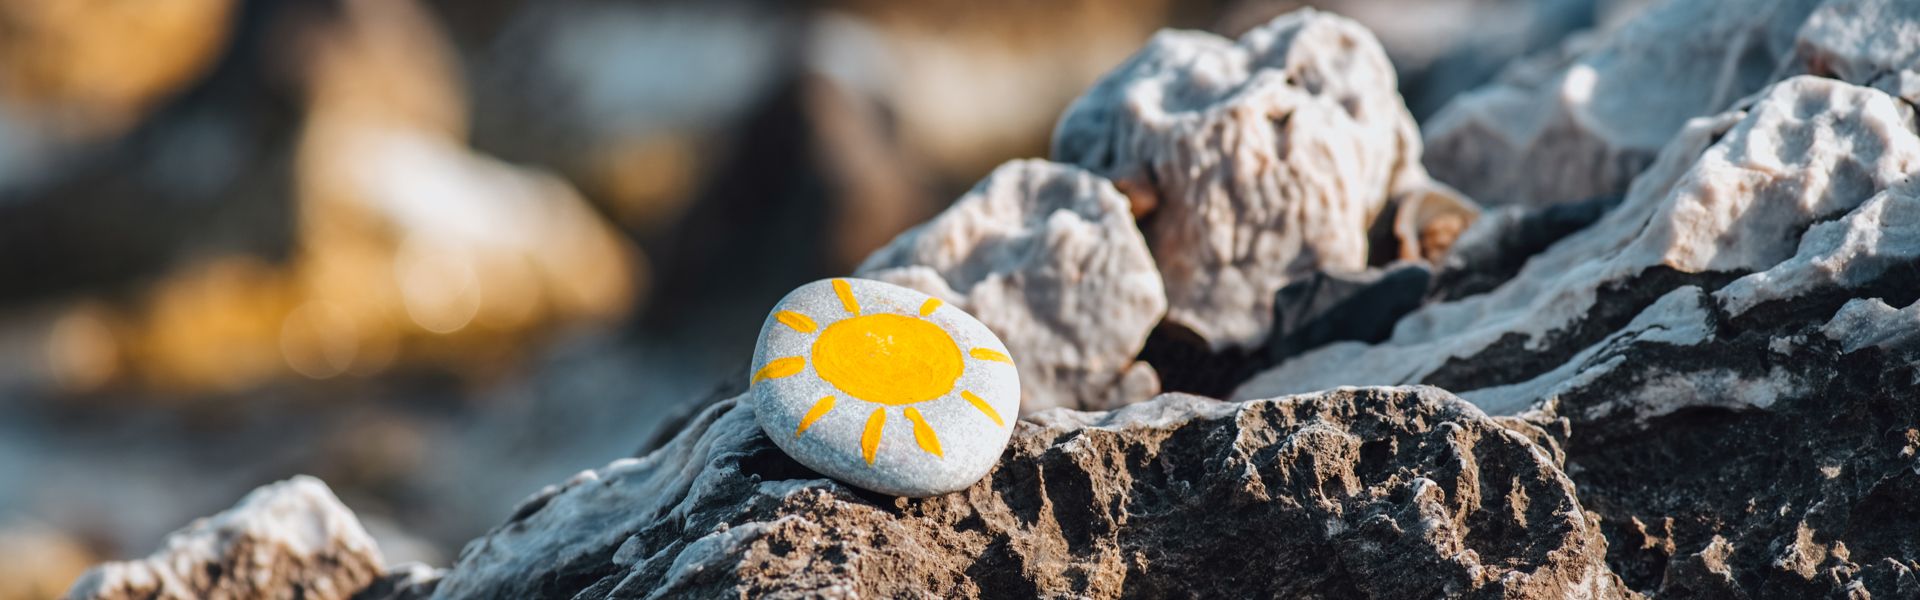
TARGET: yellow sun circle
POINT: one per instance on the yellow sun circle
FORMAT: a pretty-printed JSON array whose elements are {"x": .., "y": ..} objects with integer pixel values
[{"x": 888, "y": 359}]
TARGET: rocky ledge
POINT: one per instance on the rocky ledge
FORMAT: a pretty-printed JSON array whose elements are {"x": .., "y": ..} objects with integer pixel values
[{"x": 1676, "y": 356}]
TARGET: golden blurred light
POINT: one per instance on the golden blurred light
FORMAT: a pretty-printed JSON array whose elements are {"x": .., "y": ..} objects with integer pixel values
[
  {"x": 215, "y": 326},
  {"x": 96, "y": 65},
  {"x": 319, "y": 340},
  {"x": 440, "y": 290},
  {"x": 647, "y": 180},
  {"x": 37, "y": 562},
  {"x": 509, "y": 292},
  {"x": 82, "y": 351}
]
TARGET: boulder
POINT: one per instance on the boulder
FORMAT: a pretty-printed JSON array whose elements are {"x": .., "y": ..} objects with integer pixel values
[
  {"x": 1047, "y": 256},
  {"x": 1381, "y": 492},
  {"x": 1865, "y": 42},
  {"x": 287, "y": 540},
  {"x": 1732, "y": 194},
  {"x": 1253, "y": 162},
  {"x": 1727, "y": 350},
  {"x": 1583, "y": 121}
]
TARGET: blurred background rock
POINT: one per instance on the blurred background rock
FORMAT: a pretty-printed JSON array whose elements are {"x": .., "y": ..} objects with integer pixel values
[{"x": 442, "y": 252}]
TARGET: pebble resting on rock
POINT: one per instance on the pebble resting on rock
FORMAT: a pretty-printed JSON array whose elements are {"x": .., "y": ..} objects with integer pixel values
[{"x": 884, "y": 387}]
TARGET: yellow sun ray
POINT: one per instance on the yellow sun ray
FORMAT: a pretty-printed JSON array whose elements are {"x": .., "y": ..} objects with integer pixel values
[
  {"x": 982, "y": 405},
  {"x": 985, "y": 354},
  {"x": 923, "y": 433},
  {"x": 819, "y": 410},
  {"x": 929, "y": 306},
  {"x": 870, "y": 441},
  {"x": 779, "y": 367},
  {"x": 846, "y": 295},
  {"x": 797, "y": 321}
]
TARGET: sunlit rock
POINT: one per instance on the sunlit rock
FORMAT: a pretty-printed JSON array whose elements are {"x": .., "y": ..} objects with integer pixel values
[
  {"x": 1259, "y": 160},
  {"x": 1394, "y": 492},
  {"x": 1047, "y": 256},
  {"x": 288, "y": 540},
  {"x": 1733, "y": 194}
]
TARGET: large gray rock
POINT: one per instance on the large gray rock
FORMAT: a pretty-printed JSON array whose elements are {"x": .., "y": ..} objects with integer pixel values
[
  {"x": 1259, "y": 160},
  {"x": 289, "y": 540},
  {"x": 1731, "y": 195},
  {"x": 1383, "y": 493},
  {"x": 1584, "y": 120},
  {"x": 1724, "y": 349},
  {"x": 1867, "y": 42},
  {"x": 1047, "y": 256}
]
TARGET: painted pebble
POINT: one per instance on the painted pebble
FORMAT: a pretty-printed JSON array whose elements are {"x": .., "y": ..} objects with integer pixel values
[{"x": 884, "y": 387}]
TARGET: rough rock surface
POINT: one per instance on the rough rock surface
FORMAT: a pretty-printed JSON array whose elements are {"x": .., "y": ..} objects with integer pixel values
[
  {"x": 1732, "y": 194},
  {"x": 1260, "y": 161},
  {"x": 288, "y": 540},
  {"x": 1725, "y": 349},
  {"x": 1384, "y": 493},
  {"x": 1585, "y": 120},
  {"x": 1047, "y": 256}
]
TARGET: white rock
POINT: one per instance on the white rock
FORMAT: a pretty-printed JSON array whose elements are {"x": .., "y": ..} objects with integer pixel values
[
  {"x": 1864, "y": 42},
  {"x": 1584, "y": 121},
  {"x": 1047, "y": 256},
  {"x": 1806, "y": 150},
  {"x": 1864, "y": 322},
  {"x": 1260, "y": 160},
  {"x": 884, "y": 387},
  {"x": 1882, "y": 233},
  {"x": 291, "y": 539}
]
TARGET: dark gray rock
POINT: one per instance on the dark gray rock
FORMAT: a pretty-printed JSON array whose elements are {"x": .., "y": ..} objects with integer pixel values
[{"x": 1384, "y": 493}]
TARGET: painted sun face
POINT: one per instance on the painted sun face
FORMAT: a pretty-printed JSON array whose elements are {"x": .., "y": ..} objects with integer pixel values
[{"x": 883, "y": 357}]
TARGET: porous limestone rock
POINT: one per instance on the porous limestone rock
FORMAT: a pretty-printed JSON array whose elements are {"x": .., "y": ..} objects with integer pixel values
[
  {"x": 1047, "y": 256},
  {"x": 1259, "y": 161},
  {"x": 289, "y": 540},
  {"x": 1723, "y": 351},
  {"x": 1865, "y": 42},
  {"x": 1583, "y": 121},
  {"x": 1383, "y": 493},
  {"x": 883, "y": 387},
  {"x": 1731, "y": 195}
]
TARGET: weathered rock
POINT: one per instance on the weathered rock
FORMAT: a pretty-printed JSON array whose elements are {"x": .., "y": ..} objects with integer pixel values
[
  {"x": 1736, "y": 381},
  {"x": 1047, "y": 256},
  {"x": 1731, "y": 195},
  {"x": 288, "y": 540},
  {"x": 1384, "y": 493},
  {"x": 1493, "y": 249},
  {"x": 1260, "y": 160},
  {"x": 883, "y": 387},
  {"x": 1329, "y": 307},
  {"x": 1583, "y": 121},
  {"x": 1864, "y": 42}
]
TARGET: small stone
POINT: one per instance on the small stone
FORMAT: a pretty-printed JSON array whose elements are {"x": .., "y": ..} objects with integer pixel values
[{"x": 884, "y": 387}]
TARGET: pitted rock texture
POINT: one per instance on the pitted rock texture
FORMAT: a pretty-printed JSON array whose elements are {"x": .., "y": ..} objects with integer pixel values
[
  {"x": 1732, "y": 194},
  {"x": 1255, "y": 162},
  {"x": 1761, "y": 441},
  {"x": 1047, "y": 256},
  {"x": 1584, "y": 121},
  {"x": 286, "y": 541},
  {"x": 1374, "y": 493},
  {"x": 1865, "y": 42}
]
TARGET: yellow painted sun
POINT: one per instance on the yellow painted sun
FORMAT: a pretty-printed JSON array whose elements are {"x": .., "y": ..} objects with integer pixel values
[{"x": 883, "y": 358}]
